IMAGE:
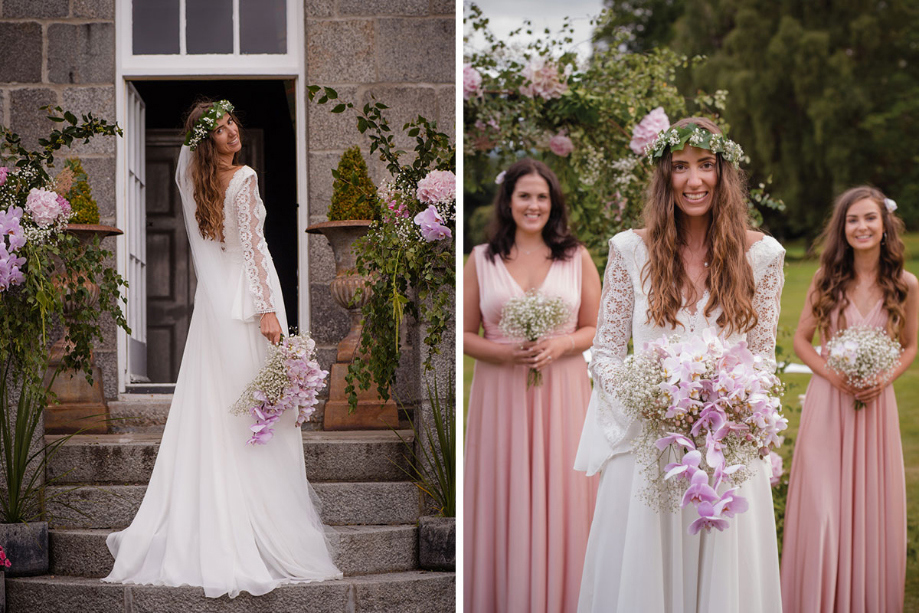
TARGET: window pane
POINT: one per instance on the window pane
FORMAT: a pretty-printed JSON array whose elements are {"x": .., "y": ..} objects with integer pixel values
[
  {"x": 209, "y": 26},
  {"x": 263, "y": 26},
  {"x": 155, "y": 27}
]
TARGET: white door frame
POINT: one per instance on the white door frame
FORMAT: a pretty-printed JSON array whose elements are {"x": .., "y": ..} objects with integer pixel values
[{"x": 129, "y": 67}]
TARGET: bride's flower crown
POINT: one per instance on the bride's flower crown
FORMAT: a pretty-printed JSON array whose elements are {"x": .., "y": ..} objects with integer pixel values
[
  {"x": 692, "y": 134},
  {"x": 207, "y": 122}
]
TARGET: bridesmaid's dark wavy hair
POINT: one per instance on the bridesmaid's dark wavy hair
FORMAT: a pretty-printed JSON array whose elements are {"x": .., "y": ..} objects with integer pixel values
[{"x": 503, "y": 229}]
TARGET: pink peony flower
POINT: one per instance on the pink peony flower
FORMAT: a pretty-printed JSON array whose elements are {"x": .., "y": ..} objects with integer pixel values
[
  {"x": 3, "y": 173},
  {"x": 43, "y": 207},
  {"x": 472, "y": 82},
  {"x": 561, "y": 145},
  {"x": 544, "y": 79},
  {"x": 437, "y": 186},
  {"x": 777, "y": 468},
  {"x": 431, "y": 225},
  {"x": 645, "y": 133}
]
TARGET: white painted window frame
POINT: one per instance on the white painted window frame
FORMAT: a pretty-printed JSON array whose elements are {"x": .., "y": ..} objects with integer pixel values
[{"x": 129, "y": 67}]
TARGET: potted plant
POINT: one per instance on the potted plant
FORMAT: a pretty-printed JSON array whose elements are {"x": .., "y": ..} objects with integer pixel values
[
  {"x": 353, "y": 209},
  {"x": 80, "y": 404},
  {"x": 44, "y": 272}
]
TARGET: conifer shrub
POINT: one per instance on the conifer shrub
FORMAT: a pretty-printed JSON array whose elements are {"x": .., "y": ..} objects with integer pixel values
[{"x": 354, "y": 196}]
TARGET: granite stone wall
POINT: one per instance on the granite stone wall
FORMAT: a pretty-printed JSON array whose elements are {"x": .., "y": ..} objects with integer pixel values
[{"x": 62, "y": 52}]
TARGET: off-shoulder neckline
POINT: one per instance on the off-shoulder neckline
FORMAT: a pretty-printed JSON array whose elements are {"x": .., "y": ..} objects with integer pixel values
[{"x": 748, "y": 251}]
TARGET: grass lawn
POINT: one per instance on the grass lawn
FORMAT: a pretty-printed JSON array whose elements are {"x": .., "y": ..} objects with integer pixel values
[{"x": 798, "y": 274}]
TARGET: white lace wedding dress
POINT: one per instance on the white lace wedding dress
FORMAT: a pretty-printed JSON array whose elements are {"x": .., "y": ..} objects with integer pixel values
[
  {"x": 639, "y": 559},
  {"x": 219, "y": 513}
]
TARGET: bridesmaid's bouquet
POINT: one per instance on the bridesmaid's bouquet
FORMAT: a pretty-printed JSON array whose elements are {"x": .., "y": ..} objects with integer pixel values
[
  {"x": 531, "y": 317},
  {"x": 290, "y": 380},
  {"x": 712, "y": 407},
  {"x": 864, "y": 355}
]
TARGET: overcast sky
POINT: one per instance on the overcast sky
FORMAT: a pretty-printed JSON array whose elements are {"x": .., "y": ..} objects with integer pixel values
[{"x": 508, "y": 15}]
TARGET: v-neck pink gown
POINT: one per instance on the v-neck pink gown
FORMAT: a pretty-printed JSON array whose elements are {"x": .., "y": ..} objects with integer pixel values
[
  {"x": 845, "y": 521},
  {"x": 527, "y": 512}
]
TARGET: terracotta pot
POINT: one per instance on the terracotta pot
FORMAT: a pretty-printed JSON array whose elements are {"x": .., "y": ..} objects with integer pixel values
[{"x": 26, "y": 546}]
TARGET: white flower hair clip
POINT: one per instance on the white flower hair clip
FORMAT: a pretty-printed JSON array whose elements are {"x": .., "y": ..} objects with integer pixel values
[
  {"x": 890, "y": 204},
  {"x": 500, "y": 178}
]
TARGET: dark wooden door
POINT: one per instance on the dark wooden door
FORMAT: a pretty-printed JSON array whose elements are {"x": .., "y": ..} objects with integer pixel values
[{"x": 171, "y": 279}]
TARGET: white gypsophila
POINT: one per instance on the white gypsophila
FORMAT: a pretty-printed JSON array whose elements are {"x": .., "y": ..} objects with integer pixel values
[
  {"x": 533, "y": 315},
  {"x": 271, "y": 381},
  {"x": 623, "y": 168},
  {"x": 865, "y": 355},
  {"x": 590, "y": 163}
]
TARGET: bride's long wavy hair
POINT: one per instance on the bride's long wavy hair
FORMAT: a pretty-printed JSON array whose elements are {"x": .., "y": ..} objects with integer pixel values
[
  {"x": 730, "y": 277},
  {"x": 204, "y": 165},
  {"x": 837, "y": 270}
]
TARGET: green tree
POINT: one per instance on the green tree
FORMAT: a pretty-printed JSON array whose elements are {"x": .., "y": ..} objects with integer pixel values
[{"x": 823, "y": 95}]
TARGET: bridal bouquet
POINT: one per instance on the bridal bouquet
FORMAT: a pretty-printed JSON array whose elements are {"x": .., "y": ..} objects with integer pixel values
[
  {"x": 865, "y": 356},
  {"x": 711, "y": 406},
  {"x": 531, "y": 317},
  {"x": 290, "y": 380}
]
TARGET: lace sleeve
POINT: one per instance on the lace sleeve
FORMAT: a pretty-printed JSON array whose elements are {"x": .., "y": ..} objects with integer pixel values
[
  {"x": 250, "y": 216},
  {"x": 766, "y": 302},
  {"x": 614, "y": 325}
]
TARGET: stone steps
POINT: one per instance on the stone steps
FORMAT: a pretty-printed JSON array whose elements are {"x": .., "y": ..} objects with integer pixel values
[
  {"x": 343, "y": 503},
  {"x": 406, "y": 592},
  {"x": 329, "y": 456},
  {"x": 358, "y": 550}
]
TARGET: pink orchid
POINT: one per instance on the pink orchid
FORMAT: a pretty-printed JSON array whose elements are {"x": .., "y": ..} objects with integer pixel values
[
  {"x": 686, "y": 467},
  {"x": 675, "y": 437},
  {"x": 730, "y": 504},
  {"x": 430, "y": 224},
  {"x": 699, "y": 491},
  {"x": 714, "y": 455},
  {"x": 708, "y": 519}
]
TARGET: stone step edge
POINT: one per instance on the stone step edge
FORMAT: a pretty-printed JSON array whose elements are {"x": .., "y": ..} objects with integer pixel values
[{"x": 309, "y": 437}]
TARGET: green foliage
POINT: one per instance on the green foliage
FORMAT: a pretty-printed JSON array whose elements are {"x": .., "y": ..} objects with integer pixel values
[
  {"x": 85, "y": 209},
  {"x": 353, "y": 193},
  {"x": 56, "y": 272},
  {"x": 433, "y": 467},
  {"x": 824, "y": 96},
  {"x": 407, "y": 275}
]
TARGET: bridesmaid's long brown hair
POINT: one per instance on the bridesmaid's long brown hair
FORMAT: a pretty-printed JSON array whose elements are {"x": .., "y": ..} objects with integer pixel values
[
  {"x": 730, "y": 278},
  {"x": 837, "y": 272},
  {"x": 208, "y": 197}
]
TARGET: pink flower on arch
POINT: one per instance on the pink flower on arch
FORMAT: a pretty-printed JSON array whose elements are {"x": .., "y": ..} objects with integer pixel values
[
  {"x": 544, "y": 79},
  {"x": 472, "y": 82},
  {"x": 430, "y": 224},
  {"x": 645, "y": 133},
  {"x": 438, "y": 186},
  {"x": 43, "y": 207},
  {"x": 561, "y": 145}
]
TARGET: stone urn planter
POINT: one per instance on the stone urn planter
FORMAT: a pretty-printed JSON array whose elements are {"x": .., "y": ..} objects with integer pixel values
[
  {"x": 437, "y": 543},
  {"x": 371, "y": 412},
  {"x": 26, "y": 547},
  {"x": 80, "y": 406}
]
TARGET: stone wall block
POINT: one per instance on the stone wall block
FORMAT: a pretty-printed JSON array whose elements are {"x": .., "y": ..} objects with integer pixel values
[
  {"x": 83, "y": 53},
  {"x": 320, "y": 183},
  {"x": 101, "y": 173},
  {"x": 328, "y": 130},
  {"x": 417, "y": 50},
  {"x": 446, "y": 111},
  {"x": 443, "y": 7},
  {"x": 23, "y": 42},
  {"x": 107, "y": 361},
  {"x": 31, "y": 9},
  {"x": 322, "y": 260},
  {"x": 383, "y": 7},
  {"x": 405, "y": 104},
  {"x": 340, "y": 52},
  {"x": 330, "y": 321},
  {"x": 320, "y": 8},
  {"x": 27, "y": 119},
  {"x": 100, "y": 101},
  {"x": 94, "y": 9}
]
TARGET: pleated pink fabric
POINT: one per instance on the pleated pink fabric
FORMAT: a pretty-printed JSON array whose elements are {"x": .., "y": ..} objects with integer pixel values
[
  {"x": 527, "y": 512},
  {"x": 845, "y": 521}
]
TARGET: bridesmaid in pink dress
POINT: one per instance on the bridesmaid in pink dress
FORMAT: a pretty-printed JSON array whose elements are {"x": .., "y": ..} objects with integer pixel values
[
  {"x": 845, "y": 522},
  {"x": 527, "y": 512}
]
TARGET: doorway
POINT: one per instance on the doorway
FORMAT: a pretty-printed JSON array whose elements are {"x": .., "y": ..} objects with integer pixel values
[{"x": 266, "y": 112}]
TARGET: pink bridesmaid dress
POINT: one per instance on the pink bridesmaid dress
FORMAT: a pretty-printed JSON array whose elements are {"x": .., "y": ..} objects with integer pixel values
[
  {"x": 845, "y": 521},
  {"x": 527, "y": 512}
]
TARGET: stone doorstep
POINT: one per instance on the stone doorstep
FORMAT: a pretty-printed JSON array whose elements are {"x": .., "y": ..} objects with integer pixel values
[
  {"x": 362, "y": 503},
  {"x": 329, "y": 456},
  {"x": 358, "y": 550},
  {"x": 405, "y": 592}
]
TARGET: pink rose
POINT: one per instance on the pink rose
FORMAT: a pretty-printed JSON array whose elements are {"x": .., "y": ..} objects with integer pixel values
[
  {"x": 543, "y": 79},
  {"x": 645, "y": 133},
  {"x": 472, "y": 82},
  {"x": 561, "y": 145},
  {"x": 430, "y": 223},
  {"x": 43, "y": 207},
  {"x": 437, "y": 186}
]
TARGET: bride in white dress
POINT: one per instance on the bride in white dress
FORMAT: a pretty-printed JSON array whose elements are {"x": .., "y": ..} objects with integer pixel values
[
  {"x": 695, "y": 265},
  {"x": 218, "y": 513}
]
